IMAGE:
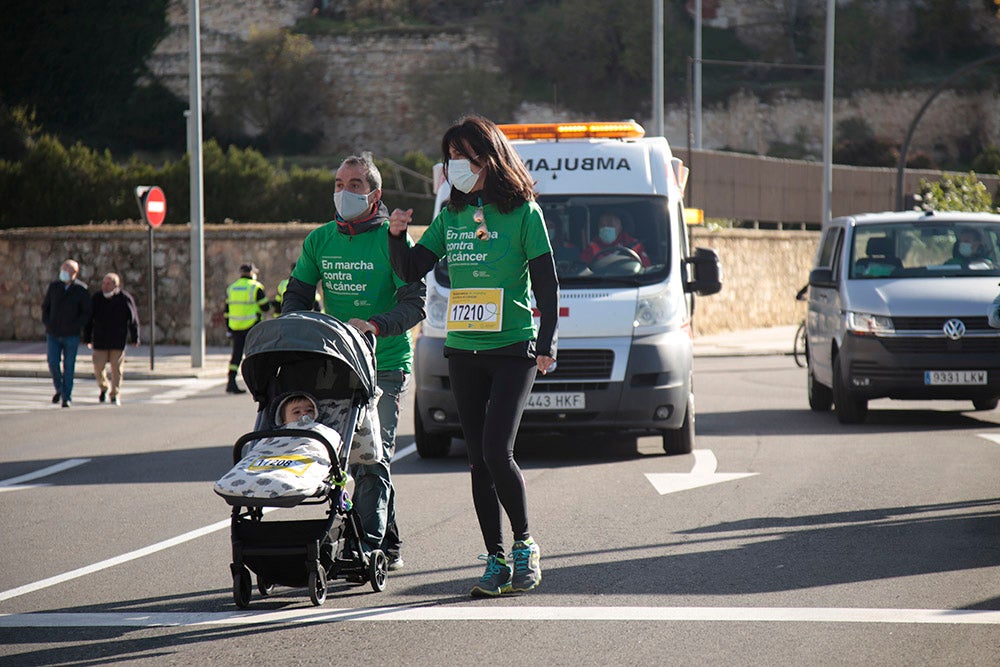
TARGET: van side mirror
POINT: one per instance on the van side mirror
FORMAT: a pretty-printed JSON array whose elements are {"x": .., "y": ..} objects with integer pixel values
[
  {"x": 822, "y": 278},
  {"x": 706, "y": 270}
]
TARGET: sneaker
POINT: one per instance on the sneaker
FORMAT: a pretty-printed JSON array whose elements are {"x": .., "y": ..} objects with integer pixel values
[
  {"x": 57, "y": 397},
  {"x": 67, "y": 404},
  {"x": 115, "y": 400},
  {"x": 527, "y": 569},
  {"x": 495, "y": 581},
  {"x": 395, "y": 563},
  {"x": 100, "y": 399}
]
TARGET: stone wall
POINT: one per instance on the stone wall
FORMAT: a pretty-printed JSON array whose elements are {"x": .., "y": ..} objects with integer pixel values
[{"x": 761, "y": 272}]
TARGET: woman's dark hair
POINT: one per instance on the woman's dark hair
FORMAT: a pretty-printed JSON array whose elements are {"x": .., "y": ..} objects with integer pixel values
[{"x": 508, "y": 183}]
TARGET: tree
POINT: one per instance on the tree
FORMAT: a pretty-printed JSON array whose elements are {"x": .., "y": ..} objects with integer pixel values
[
  {"x": 586, "y": 54},
  {"x": 76, "y": 63},
  {"x": 960, "y": 192},
  {"x": 274, "y": 87}
]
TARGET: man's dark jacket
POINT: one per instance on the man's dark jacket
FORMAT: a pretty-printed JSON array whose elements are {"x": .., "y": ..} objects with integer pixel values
[
  {"x": 66, "y": 310},
  {"x": 113, "y": 322}
]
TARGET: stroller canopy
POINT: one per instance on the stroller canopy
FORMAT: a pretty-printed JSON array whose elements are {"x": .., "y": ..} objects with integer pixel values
[{"x": 309, "y": 346}]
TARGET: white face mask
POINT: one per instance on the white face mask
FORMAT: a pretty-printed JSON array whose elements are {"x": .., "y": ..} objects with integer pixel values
[
  {"x": 351, "y": 205},
  {"x": 63, "y": 276},
  {"x": 965, "y": 249},
  {"x": 108, "y": 295},
  {"x": 460, "y": 175}
]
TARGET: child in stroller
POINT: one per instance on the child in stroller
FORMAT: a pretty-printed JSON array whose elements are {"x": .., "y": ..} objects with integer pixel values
[{"x": 297, "y": 366}]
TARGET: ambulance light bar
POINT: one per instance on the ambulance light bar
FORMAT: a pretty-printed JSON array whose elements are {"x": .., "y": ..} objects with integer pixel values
[{"x": 621, "y": 130}]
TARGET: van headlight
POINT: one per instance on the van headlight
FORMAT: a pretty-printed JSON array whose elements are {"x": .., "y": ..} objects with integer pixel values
[
  {"x": 437, "y": 308},
  {"x": 653, "y": 310},
  {"x": 866, "y": 323}
]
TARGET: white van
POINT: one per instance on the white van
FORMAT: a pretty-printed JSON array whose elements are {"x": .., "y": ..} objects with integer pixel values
[
  {"x": 625, "y": 351},
  {"x": 898, "y": 308}
]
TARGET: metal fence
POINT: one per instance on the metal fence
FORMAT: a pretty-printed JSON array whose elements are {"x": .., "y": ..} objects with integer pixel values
[{"x": 788, "y": 194}]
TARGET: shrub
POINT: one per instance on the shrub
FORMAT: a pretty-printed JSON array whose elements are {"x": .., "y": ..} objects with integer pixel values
[{"x": 962, "y": 192}]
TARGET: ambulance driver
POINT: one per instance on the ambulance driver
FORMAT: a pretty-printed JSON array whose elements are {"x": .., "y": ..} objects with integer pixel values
[{"x": 494, "y": 238}]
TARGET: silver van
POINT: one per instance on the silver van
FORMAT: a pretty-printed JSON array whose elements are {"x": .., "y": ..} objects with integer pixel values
[{"x": 898, "y": 308}]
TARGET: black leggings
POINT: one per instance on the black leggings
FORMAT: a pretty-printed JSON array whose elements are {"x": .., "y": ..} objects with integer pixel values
[{"x": 490, "y": 393}]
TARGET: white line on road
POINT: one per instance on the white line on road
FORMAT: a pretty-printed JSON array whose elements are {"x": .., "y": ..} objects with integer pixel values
[
  {"x": 991, "y": 436},
  {"x": 14, "y": 483},
  {"x": 132, "y": 555},
  {"x": 504, "y": 613},
  {"x": 111, "y": 562}
]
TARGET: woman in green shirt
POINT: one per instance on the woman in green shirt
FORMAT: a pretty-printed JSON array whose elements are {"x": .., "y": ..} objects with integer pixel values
[{"x": 494, "y": 238}]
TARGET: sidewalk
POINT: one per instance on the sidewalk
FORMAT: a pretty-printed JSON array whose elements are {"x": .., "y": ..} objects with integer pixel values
[{"x": 27, "y": 359}]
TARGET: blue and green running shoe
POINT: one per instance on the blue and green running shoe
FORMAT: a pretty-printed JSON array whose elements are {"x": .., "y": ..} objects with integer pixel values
[
  {"x": 527, "y": 566},
  {"x": 495, "y": 581}
]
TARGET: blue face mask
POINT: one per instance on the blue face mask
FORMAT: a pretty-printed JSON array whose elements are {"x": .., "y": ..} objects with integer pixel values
[
  {"x": 608, "y": 234},
  {"x": 63, "y": 276}
]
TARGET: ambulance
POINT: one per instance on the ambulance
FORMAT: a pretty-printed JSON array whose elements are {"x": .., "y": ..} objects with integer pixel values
[{"x": 624, "y": 359}]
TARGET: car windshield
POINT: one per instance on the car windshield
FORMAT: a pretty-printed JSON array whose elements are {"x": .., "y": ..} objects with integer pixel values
[
  {"x": 604, "y": 240},
  {"x": 925, "y": 249}
]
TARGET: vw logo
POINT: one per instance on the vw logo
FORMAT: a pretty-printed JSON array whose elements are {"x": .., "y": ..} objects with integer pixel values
[{"x": 954, "y": 329}]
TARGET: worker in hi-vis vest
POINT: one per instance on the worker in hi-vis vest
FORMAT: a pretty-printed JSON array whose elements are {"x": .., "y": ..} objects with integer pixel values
[{"x": 245, "y": 303}]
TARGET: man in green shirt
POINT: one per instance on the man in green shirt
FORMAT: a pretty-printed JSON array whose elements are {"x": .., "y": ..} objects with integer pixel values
[{"x": 348, "y": 257}]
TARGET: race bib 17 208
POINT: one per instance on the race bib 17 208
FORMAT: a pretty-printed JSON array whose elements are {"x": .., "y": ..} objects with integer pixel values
[{"x": 475, "y": 309}]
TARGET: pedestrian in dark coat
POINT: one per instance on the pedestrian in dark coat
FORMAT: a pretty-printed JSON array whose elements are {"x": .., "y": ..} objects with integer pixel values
[
  {"x": 65, "y": 311},
  {"x": 114, "y": 322}
]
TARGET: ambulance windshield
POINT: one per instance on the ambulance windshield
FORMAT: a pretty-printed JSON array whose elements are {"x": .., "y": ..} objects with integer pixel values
[{"x": 604, "y": 240}]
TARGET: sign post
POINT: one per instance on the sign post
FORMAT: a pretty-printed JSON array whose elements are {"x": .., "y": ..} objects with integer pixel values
[{"x": 153, "y": 207}]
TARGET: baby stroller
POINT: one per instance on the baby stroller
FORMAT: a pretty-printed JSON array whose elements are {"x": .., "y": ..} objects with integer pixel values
[{"x": 318, "y": 354}]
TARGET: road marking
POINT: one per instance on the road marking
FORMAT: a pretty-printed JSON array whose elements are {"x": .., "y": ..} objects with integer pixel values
[
  {"x": 132, "y": 555},
  {"x": 991, "y": 436},
  {"x": 404, "y": 452},
  {"x": 702, "y": 474},
  {"x": 15, "y": 483},
  {"x": 416, "y": 612},
  {"x": 23, "y": 395}
]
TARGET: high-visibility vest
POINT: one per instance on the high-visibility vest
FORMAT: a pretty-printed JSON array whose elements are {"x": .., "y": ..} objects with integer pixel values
[
  {"x": 243, "y": 309},
  {"x": 279, "y": 298}
]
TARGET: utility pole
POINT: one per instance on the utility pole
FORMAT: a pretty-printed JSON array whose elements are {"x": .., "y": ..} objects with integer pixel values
[
  {"x": 197, "y": 251},
  {"x": 697, "y": 74},
  {"x": 658, "y": 121},
  {"x": 831, "y": 8}
]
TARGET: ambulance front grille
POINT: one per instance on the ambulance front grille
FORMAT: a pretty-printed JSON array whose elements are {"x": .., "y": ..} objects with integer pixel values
[{"x": 582, "y": 365}]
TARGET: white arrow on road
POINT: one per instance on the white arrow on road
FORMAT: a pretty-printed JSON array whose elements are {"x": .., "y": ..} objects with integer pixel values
[{"x": 702, "y": 474}]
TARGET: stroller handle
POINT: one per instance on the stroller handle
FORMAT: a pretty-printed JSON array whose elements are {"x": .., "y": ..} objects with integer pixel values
[{"x": 282, "y": 433}]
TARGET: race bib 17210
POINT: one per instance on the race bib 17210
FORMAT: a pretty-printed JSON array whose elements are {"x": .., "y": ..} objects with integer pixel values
[{"x": 475, "y": 309}]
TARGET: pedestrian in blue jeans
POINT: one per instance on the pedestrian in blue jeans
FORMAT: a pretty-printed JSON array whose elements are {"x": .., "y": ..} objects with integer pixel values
[{"x": 65, "y": 311}]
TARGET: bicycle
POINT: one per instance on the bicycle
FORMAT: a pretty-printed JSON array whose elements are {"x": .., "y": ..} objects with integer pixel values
[{"x": 800, "y": 347}]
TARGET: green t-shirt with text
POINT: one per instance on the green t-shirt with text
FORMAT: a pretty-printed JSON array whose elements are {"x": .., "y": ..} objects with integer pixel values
[
  {"x": 499, "y": 261},
  {"x": 357, "y": 281}
]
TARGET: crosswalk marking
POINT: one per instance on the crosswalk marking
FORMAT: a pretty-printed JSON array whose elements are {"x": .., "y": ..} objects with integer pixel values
[
  {"x": 465, "y": 613},
  {"x": 23, "y": 395}
]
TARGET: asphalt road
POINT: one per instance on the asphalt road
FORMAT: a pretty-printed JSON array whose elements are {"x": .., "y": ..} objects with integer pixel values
[{"x": 786, "y": 538}]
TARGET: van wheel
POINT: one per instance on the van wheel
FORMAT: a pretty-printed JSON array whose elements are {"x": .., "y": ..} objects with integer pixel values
[
  {"x": 429, "y": 445},
  {"x": 850, "y": 409},
  {"x": 681, "y": 441},
  {"x": 820, "y": 396},
  {"x": 985, "y": 403}
]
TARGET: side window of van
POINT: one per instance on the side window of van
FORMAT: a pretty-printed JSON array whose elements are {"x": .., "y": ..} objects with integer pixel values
[{"x": 830, "y": 251}]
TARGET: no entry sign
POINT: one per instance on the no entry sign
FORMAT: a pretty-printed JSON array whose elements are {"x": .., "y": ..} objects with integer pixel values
[{"x": 152, "y": 203}]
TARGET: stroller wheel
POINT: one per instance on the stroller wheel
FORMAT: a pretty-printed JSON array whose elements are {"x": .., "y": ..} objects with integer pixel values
[
  {"x": 241, "y": 589},
  {"x": 317, "y": 587},
  {"x": 378, "y": 570},
  {"x": 264, "y": 587}
]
